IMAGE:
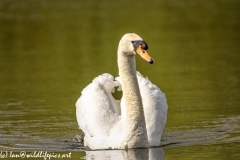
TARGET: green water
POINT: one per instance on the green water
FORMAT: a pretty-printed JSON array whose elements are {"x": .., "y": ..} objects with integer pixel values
[{"x": 50, "y": 50}]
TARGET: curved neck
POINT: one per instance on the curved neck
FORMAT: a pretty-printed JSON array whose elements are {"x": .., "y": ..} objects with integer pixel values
[
  {"x": 130, "y": 88},
  {"x": 136, "y": 132}
]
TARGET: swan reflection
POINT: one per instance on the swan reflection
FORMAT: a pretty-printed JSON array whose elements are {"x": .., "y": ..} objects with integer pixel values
[{"x": 133, "y": 154}]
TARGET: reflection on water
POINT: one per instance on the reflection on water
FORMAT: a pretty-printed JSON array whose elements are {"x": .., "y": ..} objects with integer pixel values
[
  {"x": 133, "y": 154},
  {"x": 50, "y": 50}
]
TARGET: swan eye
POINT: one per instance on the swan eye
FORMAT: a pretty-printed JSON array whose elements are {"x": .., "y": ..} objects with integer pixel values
[
  {"x": 144, "y": 45},
  {"x": 137, "y": 43}
]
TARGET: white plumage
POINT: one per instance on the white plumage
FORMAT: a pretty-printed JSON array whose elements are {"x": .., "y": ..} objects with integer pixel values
[{"x": 137, "y": 121}]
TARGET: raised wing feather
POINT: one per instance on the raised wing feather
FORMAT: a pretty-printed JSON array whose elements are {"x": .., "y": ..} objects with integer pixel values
[
  {"x": 96, "y": 109},
  {"x": 155, "y": 109}
]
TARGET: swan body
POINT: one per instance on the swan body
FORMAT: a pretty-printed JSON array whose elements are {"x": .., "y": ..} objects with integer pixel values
[{"x": 138, "y": 119}]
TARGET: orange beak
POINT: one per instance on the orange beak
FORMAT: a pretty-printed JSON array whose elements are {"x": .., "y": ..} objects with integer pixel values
[{"x": 143, "y": 53}]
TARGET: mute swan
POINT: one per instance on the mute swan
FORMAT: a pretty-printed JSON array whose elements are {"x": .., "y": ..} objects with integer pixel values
[{"x": 137, "y": 121}]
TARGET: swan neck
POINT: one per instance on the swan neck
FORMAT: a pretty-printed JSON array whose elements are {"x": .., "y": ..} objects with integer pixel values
[
  {"x": 135, "y": 121},
  {"x": 130, "y": 87}
]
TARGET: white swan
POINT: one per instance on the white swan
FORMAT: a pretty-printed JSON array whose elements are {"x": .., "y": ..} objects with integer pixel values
[{"x": 138, "y": 120}]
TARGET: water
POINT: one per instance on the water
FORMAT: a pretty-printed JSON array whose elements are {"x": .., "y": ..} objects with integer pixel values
[{"x": 50, "y": 50}]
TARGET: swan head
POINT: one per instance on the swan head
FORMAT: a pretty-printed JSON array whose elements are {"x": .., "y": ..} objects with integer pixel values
[{"x": 132, "y": 44}]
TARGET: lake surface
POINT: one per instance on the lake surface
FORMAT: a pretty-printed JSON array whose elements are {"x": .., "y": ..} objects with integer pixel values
[{"x": 50, "y": 50}]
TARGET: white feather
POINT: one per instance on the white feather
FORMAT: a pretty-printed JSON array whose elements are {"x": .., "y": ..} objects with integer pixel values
[
  {"x": 155, "y": 109},
  {"x": 108, "y": 124}
]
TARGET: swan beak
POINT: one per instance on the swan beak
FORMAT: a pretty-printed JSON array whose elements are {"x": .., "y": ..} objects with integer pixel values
[{"x": 144, "y": 54}]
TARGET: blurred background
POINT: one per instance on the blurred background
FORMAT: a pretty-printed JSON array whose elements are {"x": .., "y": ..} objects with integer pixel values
[{"x": 50, "y": 50}]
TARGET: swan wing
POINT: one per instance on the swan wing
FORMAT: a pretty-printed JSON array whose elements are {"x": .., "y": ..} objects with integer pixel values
[
  {"x": 155, "y": 109},
  {"x": 96, "y": 110}
]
